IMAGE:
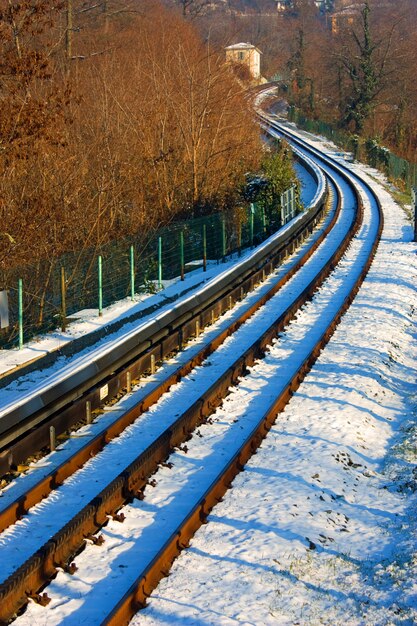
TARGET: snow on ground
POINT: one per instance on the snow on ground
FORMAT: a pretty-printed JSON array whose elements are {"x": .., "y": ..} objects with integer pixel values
[
  {"x": 87, "y": 596},
  {"x": 308, "y": 184},
  {"x": 320, "y": 527},
  {"x": 47, "y": 518}
]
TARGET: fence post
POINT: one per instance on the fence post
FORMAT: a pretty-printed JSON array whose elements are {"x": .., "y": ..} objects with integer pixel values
[
  {"x": 415, "y": 220},
  {"x": 223, "y": 239},
  {"x": 283, "y": 208},
  {"x": 63, "y": 300},
  {"x": 100, "y": 285},
  {"x": 159, "y": 262},
  {"x": 292, "y": 202},
  {"x": 204, "y": 248},
  {"x": 252, "y": 222},
  {"x": 20, "y": 313},
  {"x": 182, "y": 255},
  {"x": 414, "y": 197},
  {"x": 132, "y": 273}
]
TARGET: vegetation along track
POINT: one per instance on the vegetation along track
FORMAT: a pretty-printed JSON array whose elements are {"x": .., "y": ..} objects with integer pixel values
[{"x": 36, "y": 571}]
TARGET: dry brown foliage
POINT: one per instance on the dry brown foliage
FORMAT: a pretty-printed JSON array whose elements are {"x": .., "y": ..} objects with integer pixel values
[{"x": 141, "y": 122}]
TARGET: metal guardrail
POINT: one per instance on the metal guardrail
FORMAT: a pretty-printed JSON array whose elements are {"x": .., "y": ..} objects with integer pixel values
[{"x": 16, "y": 419}]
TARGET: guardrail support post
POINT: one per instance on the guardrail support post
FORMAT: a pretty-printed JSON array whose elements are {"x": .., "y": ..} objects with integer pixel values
[
  {"x": 153, "y": 364},
  {"x": 52, "y": 438},
  {"x": 100, "y": 286},
  {"x": 20, "y": 312},
  {"x": 128, "y": 382},
  {"x": 88, "y": 416},
  {"x": 132, "y": 273}
]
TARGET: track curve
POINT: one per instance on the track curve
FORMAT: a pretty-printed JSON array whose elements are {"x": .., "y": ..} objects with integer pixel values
[{"x": 40, "y": 567}]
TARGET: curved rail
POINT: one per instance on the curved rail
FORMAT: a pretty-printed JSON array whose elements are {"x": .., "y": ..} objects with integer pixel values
[
  {"x": 14, "y": 508},
  {"x": 98, "y": 378},
  {"x": 135, "y": 597},
  {"x": 42, "y": 566}
]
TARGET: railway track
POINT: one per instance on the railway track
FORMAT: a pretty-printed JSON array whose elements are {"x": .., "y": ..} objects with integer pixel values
[
  {"x": 128, "y": 483},
  {"x": 98, "y": 378},
  {"x": 25, "y": 426}
]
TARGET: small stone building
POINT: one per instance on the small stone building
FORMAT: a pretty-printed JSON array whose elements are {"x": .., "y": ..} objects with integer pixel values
[{"x": 247, "y": 54}]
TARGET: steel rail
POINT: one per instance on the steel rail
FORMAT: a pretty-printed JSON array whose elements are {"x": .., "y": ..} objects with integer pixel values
[
  {"x": 22, "y": 503},
  {"x": 147, "y": 580},
  {"x": 58, "y": 551},
  {"x": 24, "y": 429}
]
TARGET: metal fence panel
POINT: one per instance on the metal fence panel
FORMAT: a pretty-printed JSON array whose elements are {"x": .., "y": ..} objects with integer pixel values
[{"x": 48, "y": 298}]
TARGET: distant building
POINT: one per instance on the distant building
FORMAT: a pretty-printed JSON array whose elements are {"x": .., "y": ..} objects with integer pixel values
[
  {"x": 344, "y": 18},
  {"x": 246, "y": 54},
  {"x": 289, "y": 5}
]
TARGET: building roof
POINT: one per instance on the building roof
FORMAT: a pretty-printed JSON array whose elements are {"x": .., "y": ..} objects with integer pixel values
[{"x": 243, "y": 46}]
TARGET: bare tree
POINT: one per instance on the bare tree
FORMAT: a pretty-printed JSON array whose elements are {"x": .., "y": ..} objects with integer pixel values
[{"x": 366, "y": 67}]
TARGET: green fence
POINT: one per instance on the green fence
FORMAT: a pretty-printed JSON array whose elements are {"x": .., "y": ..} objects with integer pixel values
[
  {"x": 55, "y": 289},
  {"x": 366, "y": 150}
]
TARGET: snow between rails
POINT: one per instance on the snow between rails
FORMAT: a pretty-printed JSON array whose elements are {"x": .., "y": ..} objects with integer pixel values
[{"x": 318, "y": 529}]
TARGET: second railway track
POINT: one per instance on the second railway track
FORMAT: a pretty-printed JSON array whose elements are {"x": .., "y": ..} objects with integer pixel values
[
  {"x": 130, "y": 478},
  {"x": 91, "y": 381}
]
